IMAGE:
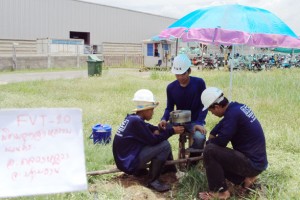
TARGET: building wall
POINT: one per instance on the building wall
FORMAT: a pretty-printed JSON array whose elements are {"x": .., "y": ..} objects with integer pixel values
[
  {"x": 42, "y": 62},
  {"x": 32, "y": 19}
]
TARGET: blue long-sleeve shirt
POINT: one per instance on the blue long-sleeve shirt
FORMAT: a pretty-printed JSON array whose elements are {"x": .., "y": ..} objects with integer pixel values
[
  {"x": 186, "y": 98},
  {"x": 240, "y": 127},
  {"x": 134, "y": 134}
]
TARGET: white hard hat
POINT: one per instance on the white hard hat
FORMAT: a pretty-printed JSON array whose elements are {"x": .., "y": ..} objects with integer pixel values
[
  {"x": 211, "y": 95},
  {"x": 181, "y": 64},
  {"x": 144, "y": 100}
]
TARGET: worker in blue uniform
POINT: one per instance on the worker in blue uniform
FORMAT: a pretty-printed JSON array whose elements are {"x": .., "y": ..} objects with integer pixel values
[
  {"x": 247, "y": 158},
  {"x": 185, "y": 94},
  {"x": 137, "y": 142}
]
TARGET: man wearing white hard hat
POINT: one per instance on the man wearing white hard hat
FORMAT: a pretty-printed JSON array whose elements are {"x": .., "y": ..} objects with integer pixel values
[
  {"x": 136, "y": 142},
  {"x": 247, "y": 158},
  {"x": 185, "y": 93}
]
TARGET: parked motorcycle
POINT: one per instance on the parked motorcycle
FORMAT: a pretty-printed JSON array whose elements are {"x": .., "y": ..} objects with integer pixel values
[{"x": 256, "y": 66}]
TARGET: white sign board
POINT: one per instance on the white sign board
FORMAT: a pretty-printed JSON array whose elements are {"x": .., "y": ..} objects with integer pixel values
[{"x": 41, "y": 151}]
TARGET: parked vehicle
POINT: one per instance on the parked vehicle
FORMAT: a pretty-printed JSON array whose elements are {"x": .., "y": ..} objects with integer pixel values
[
  {"x": 197, "y": 61},
  {"x": 285, "y": 63},
  {"x": 256, "y": 66}
]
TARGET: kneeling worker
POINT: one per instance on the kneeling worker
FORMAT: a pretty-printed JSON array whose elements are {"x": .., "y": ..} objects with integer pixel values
[
  {"x": 247, "y": 158},
  {"x": 136, "y": 142}
]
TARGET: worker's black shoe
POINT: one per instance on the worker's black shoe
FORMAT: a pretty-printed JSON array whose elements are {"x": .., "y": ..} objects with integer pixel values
[
  {"x": 154, "y": 173},
  {"x": 158, "y": 186}
]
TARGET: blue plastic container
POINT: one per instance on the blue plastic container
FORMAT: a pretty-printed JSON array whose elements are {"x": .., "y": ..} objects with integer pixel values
[{"x": 101, "y": 133}]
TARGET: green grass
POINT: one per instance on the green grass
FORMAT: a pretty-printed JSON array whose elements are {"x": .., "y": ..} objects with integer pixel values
[{"x": 273, "y": 95}]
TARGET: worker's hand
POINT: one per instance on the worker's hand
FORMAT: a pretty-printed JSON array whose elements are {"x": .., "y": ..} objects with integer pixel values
[
  {"x": 156, "y": 132},
  {"x": 178, "y": 129},
  {"x": 162, "y": 124},
  {"x": 200, "y": 128}
]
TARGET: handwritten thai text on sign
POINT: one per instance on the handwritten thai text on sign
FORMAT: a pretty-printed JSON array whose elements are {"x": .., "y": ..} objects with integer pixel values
[{"x": 41, "y": 151}]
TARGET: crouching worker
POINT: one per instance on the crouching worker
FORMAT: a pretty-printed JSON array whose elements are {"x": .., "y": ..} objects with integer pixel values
[
  {"x": 137, "y": 143},
  {"x": 247, "y": 158}
]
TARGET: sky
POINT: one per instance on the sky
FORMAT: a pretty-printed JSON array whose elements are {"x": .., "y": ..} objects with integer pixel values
[{"x": 286, "y": 10}]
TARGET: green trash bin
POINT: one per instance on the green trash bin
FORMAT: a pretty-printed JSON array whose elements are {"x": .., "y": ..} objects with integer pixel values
[{"x": 94, "y": 65}]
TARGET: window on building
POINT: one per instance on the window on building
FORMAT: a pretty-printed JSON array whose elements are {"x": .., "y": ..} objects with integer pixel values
[{"x": 149, "y": 49}]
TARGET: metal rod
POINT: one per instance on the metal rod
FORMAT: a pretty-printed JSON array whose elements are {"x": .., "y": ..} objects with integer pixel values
[{"x": 168, "y": 162}]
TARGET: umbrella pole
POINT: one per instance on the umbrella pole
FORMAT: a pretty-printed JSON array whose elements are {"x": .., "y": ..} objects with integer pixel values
[
  {"x": 176, "y": 45},
  {"x": 231, "y": 73}
]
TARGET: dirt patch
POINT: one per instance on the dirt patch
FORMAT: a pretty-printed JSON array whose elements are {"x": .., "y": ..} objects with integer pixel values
[{"x": 135, "y": 187}]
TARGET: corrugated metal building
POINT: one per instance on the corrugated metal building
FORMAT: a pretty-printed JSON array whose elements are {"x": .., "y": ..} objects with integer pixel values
[{"x": 64, "y": 19}]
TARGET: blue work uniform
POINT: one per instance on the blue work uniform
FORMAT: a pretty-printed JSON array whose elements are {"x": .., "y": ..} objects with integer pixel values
[
  {"x": 186, "y": 98},
  {"x": 132, "y": 136},
  {"x": 240, "y": 127}
]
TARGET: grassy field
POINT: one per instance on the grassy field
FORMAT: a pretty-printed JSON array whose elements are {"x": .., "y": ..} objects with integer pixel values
[{"x": 273, "y": 96}]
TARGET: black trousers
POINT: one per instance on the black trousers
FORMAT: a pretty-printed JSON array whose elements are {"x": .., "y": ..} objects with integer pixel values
[{"x": 225, "y": 163}]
